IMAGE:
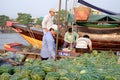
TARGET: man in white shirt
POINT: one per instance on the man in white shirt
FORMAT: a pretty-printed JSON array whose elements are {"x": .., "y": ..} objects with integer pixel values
[
  {"x": 47, "y": 22},
  {"x": 84, "y": 44}
]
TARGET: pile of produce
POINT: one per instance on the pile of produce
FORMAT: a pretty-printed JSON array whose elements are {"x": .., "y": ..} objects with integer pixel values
[
  {"x": 95, "y": 66},
  {"x": 11, "y": 55}
]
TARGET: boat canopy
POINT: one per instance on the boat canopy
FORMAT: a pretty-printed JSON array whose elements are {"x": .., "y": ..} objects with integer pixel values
[
  {"x": 104, "y": 18},
  {"x": 71, "y": 18}
]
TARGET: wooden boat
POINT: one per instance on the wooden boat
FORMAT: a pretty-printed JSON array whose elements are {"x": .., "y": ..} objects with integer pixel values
[
  {"x": 105, "y": 35},
  {"x": 12, "y": 47},
  {"x": 17, "y": 47},
  {"x": 102, "y": 38},
  {"x": 31, "y": 34}
]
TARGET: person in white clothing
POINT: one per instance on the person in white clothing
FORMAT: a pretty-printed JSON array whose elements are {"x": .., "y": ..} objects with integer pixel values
[
  {"x": 47, "y": 22},
  {"x": 84, "y": 44}
]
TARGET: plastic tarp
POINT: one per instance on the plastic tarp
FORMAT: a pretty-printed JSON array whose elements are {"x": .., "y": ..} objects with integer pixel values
[
  {"x": 71, "y": 17},
  {"x": 104, "y": 18},
  {"x": 95, "y": 17},
  {"x": 115, "y": 17}
]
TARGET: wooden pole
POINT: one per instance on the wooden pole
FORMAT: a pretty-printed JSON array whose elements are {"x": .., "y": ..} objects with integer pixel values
[
  {"x": 58, "y": 22},
  {"x": 66, "y": 14}
]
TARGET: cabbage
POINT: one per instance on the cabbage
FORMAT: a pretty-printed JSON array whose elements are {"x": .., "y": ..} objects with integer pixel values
[
  {"x": 6, "y": 68},
  {"x": 62, "y": 71},
  {"x": 48, "y": 66},
  {"x": 37, "y": 73},
  {"x": 52, "y": 76},
  {"x": 5, "y": 76},
  {"x": 68, "y": 76},
  {"x": 25, "y": 72},
  {"x": 37, "y": 62},
  {"x": 17, "y": 69},
  {"x": 16, "y": 77}
]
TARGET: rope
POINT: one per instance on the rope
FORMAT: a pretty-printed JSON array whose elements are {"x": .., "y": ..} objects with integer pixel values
[{"x": 31, "y": 34}]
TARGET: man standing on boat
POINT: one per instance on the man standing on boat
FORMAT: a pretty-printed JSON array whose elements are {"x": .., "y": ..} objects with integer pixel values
[
  {"x": 47, "y": 22},
  {"x": 48, "y": 50}
]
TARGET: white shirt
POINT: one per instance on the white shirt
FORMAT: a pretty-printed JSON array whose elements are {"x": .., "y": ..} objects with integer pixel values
[
  {"x": 47, "y": 21},
  {"x": 83, "y": 43}
]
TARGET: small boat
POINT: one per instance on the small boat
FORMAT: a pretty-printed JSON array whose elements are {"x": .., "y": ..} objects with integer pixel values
[{"x": 14, "y": 47}]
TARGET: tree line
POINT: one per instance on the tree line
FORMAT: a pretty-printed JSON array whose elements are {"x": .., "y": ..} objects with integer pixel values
[{"x": 25, "y": 19}]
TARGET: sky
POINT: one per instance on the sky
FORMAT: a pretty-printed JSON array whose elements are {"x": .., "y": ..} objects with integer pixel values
[{"x": 38, "y": 8}]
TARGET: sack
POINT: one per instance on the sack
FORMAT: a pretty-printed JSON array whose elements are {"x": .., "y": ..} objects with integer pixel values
[{"x": 81, "y": 13}]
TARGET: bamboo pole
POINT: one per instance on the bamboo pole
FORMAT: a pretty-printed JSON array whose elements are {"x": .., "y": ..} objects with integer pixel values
[
  {"x": 58, "y": 22},
  {"x": 66, "y": 14}
]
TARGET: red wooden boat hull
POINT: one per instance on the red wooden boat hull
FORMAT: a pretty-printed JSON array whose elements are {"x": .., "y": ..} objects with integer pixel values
[
  {"x": 102, "y": 39},
  {"x": 31, "y": 35}
]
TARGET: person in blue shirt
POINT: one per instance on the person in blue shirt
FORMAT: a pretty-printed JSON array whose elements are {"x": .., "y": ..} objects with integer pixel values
[{"x": 48, "y": 50}]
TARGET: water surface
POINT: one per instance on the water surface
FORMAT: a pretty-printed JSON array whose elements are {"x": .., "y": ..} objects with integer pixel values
[{"x": 10, "y": 38}]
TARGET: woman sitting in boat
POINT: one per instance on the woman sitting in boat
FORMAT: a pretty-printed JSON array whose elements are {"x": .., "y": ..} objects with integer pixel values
[
  {"x": 70, "y": 38},
  {"x": 84, "y": 44}
]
